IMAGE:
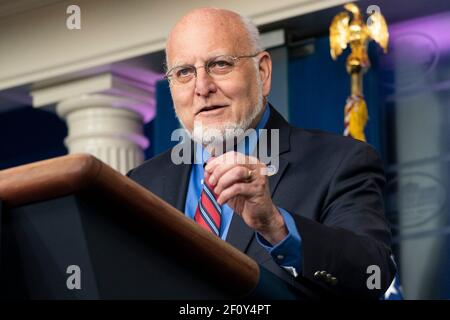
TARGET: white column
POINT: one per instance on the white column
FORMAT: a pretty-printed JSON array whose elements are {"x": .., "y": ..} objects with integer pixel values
[
  {"x": 107, "y": 127},
  {"x": 105, "y": 115}
]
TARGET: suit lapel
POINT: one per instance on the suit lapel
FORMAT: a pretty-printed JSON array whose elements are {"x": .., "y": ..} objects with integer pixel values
[
  {"x": 175, "y": 193},
  {"x": 273, "y": 180},
  {"x": 239, "y": 234}
]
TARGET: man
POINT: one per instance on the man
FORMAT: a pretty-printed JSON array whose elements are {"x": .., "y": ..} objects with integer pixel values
[{"x": 319, "y": 217}]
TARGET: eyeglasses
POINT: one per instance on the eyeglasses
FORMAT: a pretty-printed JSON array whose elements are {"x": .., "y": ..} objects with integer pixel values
[{"x": 215, "y": 67}]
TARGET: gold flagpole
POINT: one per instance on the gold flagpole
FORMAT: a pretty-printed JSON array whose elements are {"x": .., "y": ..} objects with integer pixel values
[{"x": 354, "y": 31}]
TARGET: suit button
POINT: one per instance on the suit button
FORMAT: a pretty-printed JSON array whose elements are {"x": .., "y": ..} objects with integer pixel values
[
  {"x": 323, "y": 274},
  {"x": 329, "y": 278},
  {"x": 333, "y": 281},
  {"x": 317, "y": 275}
]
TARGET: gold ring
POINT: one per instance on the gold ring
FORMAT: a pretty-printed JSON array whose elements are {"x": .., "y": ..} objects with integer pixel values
[{"x": 249, "y": 175}]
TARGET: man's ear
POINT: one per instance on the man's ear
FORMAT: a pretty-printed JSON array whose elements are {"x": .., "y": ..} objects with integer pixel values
[{"x": 265, "y": 71}]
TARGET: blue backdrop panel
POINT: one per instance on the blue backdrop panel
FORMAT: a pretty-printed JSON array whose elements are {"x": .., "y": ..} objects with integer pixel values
[
  {"x": 319, "y": 87},
  {"x": 28, "y": 135},
  {"x": 160, "y": 129}
]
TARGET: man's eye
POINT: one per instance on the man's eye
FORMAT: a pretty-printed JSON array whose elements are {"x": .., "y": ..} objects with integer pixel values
[
  {"x": 220, "y": 64},
  {"x": 184, "y": 72}
]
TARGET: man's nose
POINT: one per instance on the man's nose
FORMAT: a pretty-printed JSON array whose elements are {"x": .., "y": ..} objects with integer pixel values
[{"x": 204, "y": 83}]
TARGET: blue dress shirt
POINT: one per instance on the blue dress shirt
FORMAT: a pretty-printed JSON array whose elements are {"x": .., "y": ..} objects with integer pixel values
[{"x": 287, "y": 252}]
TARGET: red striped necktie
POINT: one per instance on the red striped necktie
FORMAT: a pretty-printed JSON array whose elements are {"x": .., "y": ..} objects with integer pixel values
[{"x": 208, "y": 213}]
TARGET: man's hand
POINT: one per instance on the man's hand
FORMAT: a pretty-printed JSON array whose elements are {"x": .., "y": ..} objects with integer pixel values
[{"x": 241, "y": 182}]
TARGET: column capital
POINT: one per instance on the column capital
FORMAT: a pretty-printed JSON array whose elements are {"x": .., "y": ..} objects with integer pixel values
[
  {"x": 105, "y": 113},
  {"x": 108, "y": 88},
  {"x": 139, "y": 107}
]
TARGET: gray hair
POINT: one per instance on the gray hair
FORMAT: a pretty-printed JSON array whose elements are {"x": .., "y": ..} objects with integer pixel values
[
  {"x": 253, "y": 33},
  {"x": 255, "y": 38}
]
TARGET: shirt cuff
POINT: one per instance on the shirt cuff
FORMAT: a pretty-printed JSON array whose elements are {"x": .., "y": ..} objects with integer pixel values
[{"x": 286, "y": 253}]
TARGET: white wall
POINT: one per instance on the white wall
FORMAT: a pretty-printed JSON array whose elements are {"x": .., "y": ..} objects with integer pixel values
[{"x": 35, "y": 45}]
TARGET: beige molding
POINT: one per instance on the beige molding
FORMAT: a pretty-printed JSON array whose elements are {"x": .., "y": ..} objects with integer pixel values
[{"x": 36, "y": 44}]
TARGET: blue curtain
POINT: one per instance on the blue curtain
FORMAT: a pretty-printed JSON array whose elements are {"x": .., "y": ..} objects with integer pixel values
[
  {"x": 28, "y": 135},
  {"x": 160, "y": 129},
  {"x": 319, "y": 87}
]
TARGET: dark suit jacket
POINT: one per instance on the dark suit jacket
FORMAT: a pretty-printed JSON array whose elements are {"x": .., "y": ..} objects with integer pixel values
[{"x": 331, "y": 185}]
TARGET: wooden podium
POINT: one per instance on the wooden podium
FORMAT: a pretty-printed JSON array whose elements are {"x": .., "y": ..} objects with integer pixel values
[{"x": 127, "y": 242}]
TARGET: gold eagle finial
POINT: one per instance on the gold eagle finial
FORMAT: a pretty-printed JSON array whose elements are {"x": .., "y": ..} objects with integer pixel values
[{"x": 344, "y": 31}]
